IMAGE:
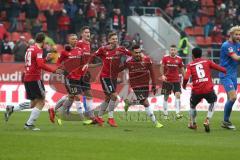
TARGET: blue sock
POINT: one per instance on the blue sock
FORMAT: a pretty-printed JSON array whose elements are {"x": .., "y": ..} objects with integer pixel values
[{"x": 227, "y": 110}]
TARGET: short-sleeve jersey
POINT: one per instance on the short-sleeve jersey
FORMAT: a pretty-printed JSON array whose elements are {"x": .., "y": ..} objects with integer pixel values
[
  {"x": 227, "y": 49},
  {"x": 171, "y": 67}
]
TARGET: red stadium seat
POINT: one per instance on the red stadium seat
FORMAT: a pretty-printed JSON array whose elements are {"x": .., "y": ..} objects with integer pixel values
[
  {"x": 189, "y": 31},
  {"x": 15, "y": 36},
  {"x": 7, "y": 58},
  {"x": 198, "y": 31},
  {"x": 200, "y": 41},
  {"x": 208, "y": 41},
  {"x": 204, "y": 20},
  {"x": 27, "y": 35},
  {"x": 211, "y": 11}
]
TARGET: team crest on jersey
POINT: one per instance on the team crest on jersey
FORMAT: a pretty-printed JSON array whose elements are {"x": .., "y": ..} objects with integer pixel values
[
  {"x": 176, "y": 61},
  {"x": 39, "y": 55},
  {"x": 230, "y": 49}
]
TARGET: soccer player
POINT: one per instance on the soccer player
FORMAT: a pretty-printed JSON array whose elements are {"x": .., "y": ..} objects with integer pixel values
[
  {"x": 111, "y": 56},
  {"x": 73, "y": 81},
  {"x": 34, "y": 64},
  {"x": 171, "y": 67},
  {"x": 140, "y": 70},
  {"x": 85, "y": 45},
  {"x": 202, "y": 86},
  {"x": 229, "y": 58}
]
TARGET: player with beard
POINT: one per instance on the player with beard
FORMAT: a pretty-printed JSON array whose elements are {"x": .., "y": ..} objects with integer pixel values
[{"x": 140, "y": 71}]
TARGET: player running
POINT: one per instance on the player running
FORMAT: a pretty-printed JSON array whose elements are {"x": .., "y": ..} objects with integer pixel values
[
  {"x": 202, "y": 86},
  {"x": 229, "y": 58},
  {"x": 140, "y": 70},
  {"x": 74, "y": 81},
  {"x": 34, "y": 64},
  {"x": 111, "y": 57},
  {"x": 171, "y": 66}
]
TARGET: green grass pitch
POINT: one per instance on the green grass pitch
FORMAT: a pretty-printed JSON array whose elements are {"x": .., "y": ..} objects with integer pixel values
[{"x": 135, "y": 139}]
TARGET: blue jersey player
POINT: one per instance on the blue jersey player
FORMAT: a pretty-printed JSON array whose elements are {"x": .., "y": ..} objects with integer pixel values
[{"x": 229, "y": 58}]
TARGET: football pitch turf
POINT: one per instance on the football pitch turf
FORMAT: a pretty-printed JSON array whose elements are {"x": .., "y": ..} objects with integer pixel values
[{"x": 135, "y": 139}]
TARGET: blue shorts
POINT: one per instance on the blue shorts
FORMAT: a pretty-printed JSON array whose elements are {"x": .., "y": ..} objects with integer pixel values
[{"x": 229, "y": 83}]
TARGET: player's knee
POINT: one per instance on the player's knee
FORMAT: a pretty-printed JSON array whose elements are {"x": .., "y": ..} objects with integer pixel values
[
  {"x": 177, "y": 95},
  {"x": 40, "y": 103},
  {"x": 113, "y": 96},
  {"x": 144, "y": 102}
]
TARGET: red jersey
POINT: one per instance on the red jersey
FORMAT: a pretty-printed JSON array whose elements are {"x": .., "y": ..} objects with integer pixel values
[
  {"x": 34, "y": 63},
  {"x": 139, "y": 71},
  {"x": 171, "y": 67},
  {"x": 72, "y": 61},
  {"x": 200, "y": 71},
  {"x": 86, "y": 49},
  {"x": 111, "y": 60}
]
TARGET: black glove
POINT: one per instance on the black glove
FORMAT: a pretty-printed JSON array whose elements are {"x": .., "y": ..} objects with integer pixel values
[{"x": 154, "y": 89}]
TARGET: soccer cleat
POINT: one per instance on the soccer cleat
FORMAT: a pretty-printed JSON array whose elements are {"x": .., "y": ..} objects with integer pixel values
[
  {"x": 126, "y": 105},
  {"x": 59, "y": 121},
  {"x": 112, "y": 122},
  {"x": 179, "y": 116},
  {"x": 206, "y": 125},
  {"x": 9, "y": 111},
  {"x": 51, "y": 113},
  {"x": 31, "y": 127},
  {"x": 165, "y": 117},
  {"x": 192, "y": 125},
  {"x": 99, "y": 120},
  {"x": 228, "y": 125},
  {"x": 158, "y": 125},
  {"x": 88, "y": 122}
]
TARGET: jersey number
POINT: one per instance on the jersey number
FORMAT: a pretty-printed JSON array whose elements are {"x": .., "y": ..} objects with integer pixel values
[
  {"x": 28, "y": 58},
  {"x": 200, "y": 71}
]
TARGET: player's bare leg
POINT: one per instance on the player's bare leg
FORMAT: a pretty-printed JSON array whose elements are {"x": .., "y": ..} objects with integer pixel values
[
  {"x": 39, "y": 104},
  {"x": 111, "y": 106},
  {"x": 192, "y": 114},
  {"x": 10, "y": 109},
  {"x": 165, "y": 106},
  {"x": 210, "y": 112},
  {"x": 178, "y": 105},
  {"x": 150, "y": 113}
]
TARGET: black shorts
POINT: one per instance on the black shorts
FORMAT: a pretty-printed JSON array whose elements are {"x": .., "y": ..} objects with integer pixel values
[
  {"x": 85, "y": 82},
  {"x": 108, "y": 85},
  {"x": 168, "y": 87},
  {"x": 73, "y": 86},
  {"x": 196, "y": 98},
  {"x": 35, "y": 90},
  {"x": 141, "y": 92}
]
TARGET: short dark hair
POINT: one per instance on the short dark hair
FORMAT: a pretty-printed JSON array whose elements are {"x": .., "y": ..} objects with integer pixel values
[
  {"x": 40, "y": 37},
  {"x": 111, "y": 34},
  {"x": 197, "y": 52},
  {"x": 136, "y": 46},
  {"x": 83, "y": 28},
  {"x": 173, "y": 46}
]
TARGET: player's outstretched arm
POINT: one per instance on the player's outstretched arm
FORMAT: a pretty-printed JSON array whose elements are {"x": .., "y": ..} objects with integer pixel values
[
  {"x": 41, "y": 63},
  {"x": 217, "y": 67}
]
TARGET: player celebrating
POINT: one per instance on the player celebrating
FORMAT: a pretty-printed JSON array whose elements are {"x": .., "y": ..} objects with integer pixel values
[
  {"x": 111, "y": 57},
  {"x": 229, "y": 58},
  {"x": 34, "y": 64},
  {"x": 140, "y": 70},
  {"x": 200, "y": 71},
  {"x": 171, "y": 66}
]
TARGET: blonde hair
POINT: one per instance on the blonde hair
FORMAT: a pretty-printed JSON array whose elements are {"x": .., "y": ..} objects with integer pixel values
[{"x": 234, "y": 29}]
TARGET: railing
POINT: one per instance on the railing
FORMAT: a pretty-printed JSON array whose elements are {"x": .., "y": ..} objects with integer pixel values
[
  {"x": 154, "y": 32},
  {"x": 153, "y": 11}
]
